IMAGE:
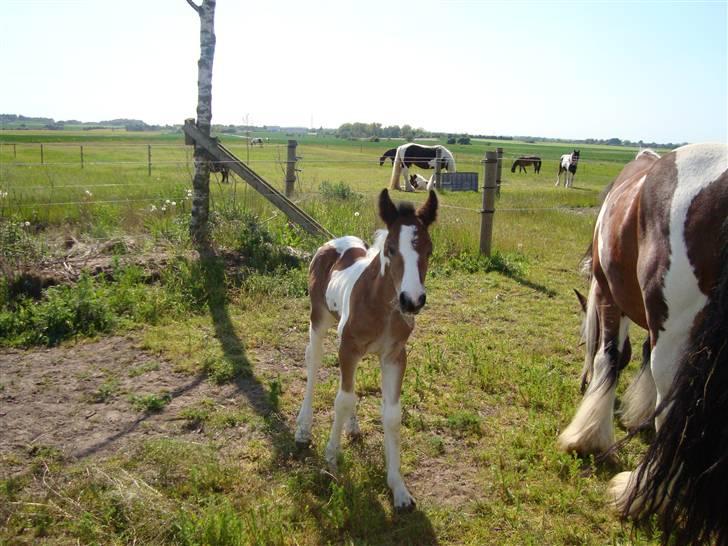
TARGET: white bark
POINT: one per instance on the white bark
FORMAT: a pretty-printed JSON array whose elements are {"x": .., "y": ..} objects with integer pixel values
[{"x": 201, "y": 181}]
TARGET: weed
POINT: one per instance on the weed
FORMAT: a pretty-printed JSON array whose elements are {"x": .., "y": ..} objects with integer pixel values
[
  {"x": 338, "y": 190},
  {"x": 105, "y": 392},
  {"x": 150, "y": 403}
]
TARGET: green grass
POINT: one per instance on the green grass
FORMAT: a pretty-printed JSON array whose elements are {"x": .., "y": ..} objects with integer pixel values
[{"x": 492, "y": 373}]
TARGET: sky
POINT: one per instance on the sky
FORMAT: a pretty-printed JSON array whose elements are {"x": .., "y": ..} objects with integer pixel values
[{"x": 640, "y": 70}]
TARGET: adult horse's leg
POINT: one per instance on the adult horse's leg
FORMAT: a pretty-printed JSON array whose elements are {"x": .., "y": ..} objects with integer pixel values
[
  {"x": 393, "y": 366},
  {"x": 639, "y": 400},
  {"x": 591, "y": 429},
  {"x": 558, "y": 177},
  {"x": 345, "y": 401},
  {"x": 684, "y": 302},
  {"x": 314, "y": 354}
]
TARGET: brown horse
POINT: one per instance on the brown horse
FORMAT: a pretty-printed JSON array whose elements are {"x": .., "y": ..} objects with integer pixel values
[
  {"x": 660, "y": 259},
  {"x": 373, "y": 294},
  {"x": 525, "y": 160}
]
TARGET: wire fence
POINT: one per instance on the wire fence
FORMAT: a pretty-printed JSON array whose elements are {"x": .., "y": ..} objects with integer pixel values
[{"x": 155, "y": 181}]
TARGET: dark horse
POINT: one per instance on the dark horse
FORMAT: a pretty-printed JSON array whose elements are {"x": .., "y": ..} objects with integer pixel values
[
  {"x": 524, "y": 160},
  {"x": 220, "y": 167},
  {"x": 424, "y": 157},
  {"x": 659, "y": 258}
]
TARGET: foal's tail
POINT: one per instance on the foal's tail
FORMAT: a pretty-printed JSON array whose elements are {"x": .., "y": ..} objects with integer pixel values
[{"x": 690, "y": 452}]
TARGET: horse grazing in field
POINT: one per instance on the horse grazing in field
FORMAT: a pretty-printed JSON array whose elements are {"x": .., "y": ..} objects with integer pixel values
[
  {"x": 424, "y": 157},
  {"x": 525, "y": 160},
  {"x": 256, "y": 140},
  {"x": 374, "y": 294},
  {"x": 659, "y": 258},
  {"x": 568, "y": 164},
  {"x": 217, "y": 166}
]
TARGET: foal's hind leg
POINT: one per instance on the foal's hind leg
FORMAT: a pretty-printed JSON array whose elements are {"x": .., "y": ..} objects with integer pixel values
[{"x": 314, "y": 354}]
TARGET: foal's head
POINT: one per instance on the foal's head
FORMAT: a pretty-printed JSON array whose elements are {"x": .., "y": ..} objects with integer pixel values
[{"x": 408, "y": 247}]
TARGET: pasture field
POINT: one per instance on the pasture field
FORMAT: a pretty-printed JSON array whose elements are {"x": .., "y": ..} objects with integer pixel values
[{"x": 156, "y": 405}]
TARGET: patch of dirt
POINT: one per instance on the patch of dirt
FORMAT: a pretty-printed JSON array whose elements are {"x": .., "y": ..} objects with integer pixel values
[{"x": 77, "y": 398}]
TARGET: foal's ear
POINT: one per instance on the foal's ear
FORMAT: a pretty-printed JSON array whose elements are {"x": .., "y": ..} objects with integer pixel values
[
  {"x": 582, "y": 299},
  {"x": 387, "y": 211},
  {"x": 427, "y": 213}
]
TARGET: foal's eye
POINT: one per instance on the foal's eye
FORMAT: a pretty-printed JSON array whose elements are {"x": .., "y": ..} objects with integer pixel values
[{"x": 391, "y": 250}]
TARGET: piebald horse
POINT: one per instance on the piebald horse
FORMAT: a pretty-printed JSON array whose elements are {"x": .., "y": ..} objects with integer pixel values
[
  {"x": 568, "y": 164},
  {"x": 424, "y": 157},
  {"x": 373, "y": 294},
  {"x": 660, "y": 259},
  {"x": 419, "y": 182}
]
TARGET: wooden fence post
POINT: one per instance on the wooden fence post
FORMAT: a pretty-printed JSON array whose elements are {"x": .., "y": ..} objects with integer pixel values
[
  {"x": 15, "y": 153},
  {"x": 82, "y": 156},
  {"x": 499, "y": 170},
  {"x": 41, "y": 155},
  {"x": 291, "y": 168},
  {"x": 438, "y": 169},
  {"x": 489, "y": 187},
  {"x": 149, "y": 159}
]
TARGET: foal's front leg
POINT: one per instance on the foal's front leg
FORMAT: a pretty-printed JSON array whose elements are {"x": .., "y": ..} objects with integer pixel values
[
  {"x": 345, "y": 401},
  {"x": 393, "y": 366}
]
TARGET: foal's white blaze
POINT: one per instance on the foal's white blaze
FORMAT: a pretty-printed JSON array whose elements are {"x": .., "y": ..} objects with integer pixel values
[
  {"x": 411, "y": 282},
  {"x": 696, "y": 170}
]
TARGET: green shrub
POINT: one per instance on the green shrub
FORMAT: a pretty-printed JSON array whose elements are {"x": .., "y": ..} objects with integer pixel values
[{"x": 339, "y": 190}]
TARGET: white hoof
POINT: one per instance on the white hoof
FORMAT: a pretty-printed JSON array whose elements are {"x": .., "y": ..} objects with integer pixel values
[{"x": 403, "y": 501}]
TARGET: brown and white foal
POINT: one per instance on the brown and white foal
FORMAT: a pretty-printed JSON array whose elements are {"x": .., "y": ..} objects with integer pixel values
[{"x": 373, "y": 294}]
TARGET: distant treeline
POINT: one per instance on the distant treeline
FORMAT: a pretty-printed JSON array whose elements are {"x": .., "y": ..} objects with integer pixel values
[
  {"x": 15, "y": 121},
  {"x": 353, "y": 131}
]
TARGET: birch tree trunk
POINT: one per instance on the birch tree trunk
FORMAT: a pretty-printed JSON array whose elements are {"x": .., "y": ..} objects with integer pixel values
[{"x": 201, "y": 181}]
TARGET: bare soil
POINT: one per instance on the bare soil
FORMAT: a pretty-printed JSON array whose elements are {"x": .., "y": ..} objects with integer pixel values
[{"x": 75, "y": 399}]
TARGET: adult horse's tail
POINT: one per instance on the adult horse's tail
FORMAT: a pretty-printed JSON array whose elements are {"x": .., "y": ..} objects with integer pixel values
[{"x": 690, "y": 451}]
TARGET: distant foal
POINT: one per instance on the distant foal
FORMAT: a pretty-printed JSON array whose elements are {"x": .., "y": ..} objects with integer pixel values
[{"x": 373, "y": 294}]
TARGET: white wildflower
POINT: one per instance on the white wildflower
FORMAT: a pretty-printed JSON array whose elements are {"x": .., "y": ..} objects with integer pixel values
[
  {"x": 173, "y": 203},
  {"x": 153, "y": 208},
  {"x": 3, "y": 194},
  {"x": 26, "y": 224},
  {"x": 167, "y": 202},
  {"x": 164, "y": 208},
  {"x": 88, "y": 193},
  {"x": 356, "y": 213}
]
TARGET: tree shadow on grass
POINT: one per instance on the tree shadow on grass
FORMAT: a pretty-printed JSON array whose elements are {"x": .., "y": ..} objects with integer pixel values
[{"x": 344, "y": 507}]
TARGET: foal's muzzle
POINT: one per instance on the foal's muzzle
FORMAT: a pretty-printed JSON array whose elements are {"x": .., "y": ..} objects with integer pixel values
[{"x": 407, "y": 305}]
